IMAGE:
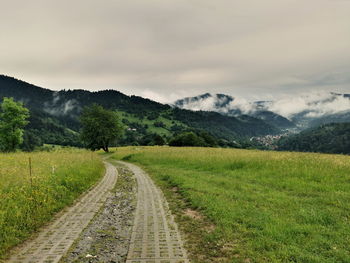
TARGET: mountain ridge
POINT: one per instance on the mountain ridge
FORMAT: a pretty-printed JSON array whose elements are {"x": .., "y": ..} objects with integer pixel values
[
  {"x": 284, "y": 114},
  {"x": 56, "y": 114}
]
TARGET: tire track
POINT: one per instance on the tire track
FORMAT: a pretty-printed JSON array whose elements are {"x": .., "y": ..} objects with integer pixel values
[{"x": 155, "y": 237}]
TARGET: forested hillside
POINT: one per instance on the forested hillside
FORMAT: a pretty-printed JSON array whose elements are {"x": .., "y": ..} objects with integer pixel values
[
  {"x": 329, "y": 138},
  {"x": 55, "y": 116}
]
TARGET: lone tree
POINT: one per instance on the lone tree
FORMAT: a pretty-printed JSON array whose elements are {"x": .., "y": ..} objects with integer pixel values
[
  {"x": 100, "y": 127},
  {"x": 13, "y": 118}
]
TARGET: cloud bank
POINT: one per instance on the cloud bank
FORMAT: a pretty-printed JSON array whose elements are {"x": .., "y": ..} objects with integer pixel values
[
  {"x": 168, "y": 49},
  {"x": 59, "y": 106},
  {"x": 314, "y": 105},
  {"x": 311, "y": 105}
]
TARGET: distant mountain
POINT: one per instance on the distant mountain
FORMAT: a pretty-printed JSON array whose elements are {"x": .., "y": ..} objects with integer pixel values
[
  {"x": 329, "y": 138},
  {"x": 55, "y": 115},
  {"x": 273, "y": 119},
  {"x": 296, "y": 111},
  {"x": 343, "y": 116},
  {"x": 312, "y": 110},
  {"x": 228, "y": 105},
  {"x": 206, "y": 102}
]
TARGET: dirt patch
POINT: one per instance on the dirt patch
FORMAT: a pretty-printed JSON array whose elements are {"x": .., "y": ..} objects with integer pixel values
[
  {"x": 107, "y": 237},
  {"x": 195, "y": 227},
  {"x": 175, "y": 189},
  {"x": 193, "y": 214}
]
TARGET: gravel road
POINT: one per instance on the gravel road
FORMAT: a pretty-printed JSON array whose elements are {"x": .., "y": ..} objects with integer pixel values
[
  {"x": 125, "y": 220},
  {"x": 107, "y": 237}
]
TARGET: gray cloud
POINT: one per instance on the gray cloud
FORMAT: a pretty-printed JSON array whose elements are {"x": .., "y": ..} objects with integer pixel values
[
  {"x": 313, "y": 104},
  {"x": 58, "y": 107},
  {"x": 169, "y": 49}
]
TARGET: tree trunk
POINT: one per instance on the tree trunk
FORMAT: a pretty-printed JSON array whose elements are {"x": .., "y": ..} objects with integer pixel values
[{"x": 105, "y": 148}]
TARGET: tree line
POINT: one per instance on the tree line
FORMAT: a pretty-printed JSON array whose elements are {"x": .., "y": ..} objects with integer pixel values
[
  {"x": 100, "y": 128},
  {"x": 327, "y": 138}
]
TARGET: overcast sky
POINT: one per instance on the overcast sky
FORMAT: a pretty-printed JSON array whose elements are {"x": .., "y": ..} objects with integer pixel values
[{"x": 165, "y": 50}]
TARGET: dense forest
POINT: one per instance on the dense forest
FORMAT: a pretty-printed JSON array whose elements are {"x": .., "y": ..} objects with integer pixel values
[
  {"x": 328, "y": 138},
  {"x": 54, "y": 117}
]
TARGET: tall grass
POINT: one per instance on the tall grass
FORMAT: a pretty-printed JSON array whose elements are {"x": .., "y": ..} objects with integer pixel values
[
  {"x": 29, "y": 199},
  {"x": 266, "y": 206}
]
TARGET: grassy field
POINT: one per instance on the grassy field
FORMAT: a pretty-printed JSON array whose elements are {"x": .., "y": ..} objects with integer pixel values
[
  {"x": 263, "y": 206},
  {"x": 27, "y": 202}
]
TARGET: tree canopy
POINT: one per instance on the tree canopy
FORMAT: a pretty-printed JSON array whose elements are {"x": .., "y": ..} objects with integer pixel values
[
  {"x": 100, "y": 127},
  {"x": 329, "y": 138},
  {"x": 13, "y": 118},
  {"x": 193, "y": 139}
]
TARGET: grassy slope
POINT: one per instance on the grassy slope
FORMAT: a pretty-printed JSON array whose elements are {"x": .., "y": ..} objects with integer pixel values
[
  {"x": 151, "y": 127},
  {"x": 266, "y": 206},
  {"x": 58, "y": 178}
]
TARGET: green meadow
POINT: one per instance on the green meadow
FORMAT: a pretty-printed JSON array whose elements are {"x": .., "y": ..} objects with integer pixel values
[
  {"x": 260, "y": 206},
  {"x": 30, "y": 197}
]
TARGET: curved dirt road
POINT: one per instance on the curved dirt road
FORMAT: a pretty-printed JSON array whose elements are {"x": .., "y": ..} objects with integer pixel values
[
  {"x": 55, "y": 239},
  {"x": 155, "y": 237}
]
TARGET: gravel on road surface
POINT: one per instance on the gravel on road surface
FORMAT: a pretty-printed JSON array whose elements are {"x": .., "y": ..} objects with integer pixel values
[{"x": 107, "y": 237}]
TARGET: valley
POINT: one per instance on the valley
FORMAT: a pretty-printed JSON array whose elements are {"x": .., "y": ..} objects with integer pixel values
[
  {"x": 247, "y": 205},
  {"x": 175, "y": 131},
  {"x": 232, "y": 122},
  {"x": 55, "y": 116}
]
